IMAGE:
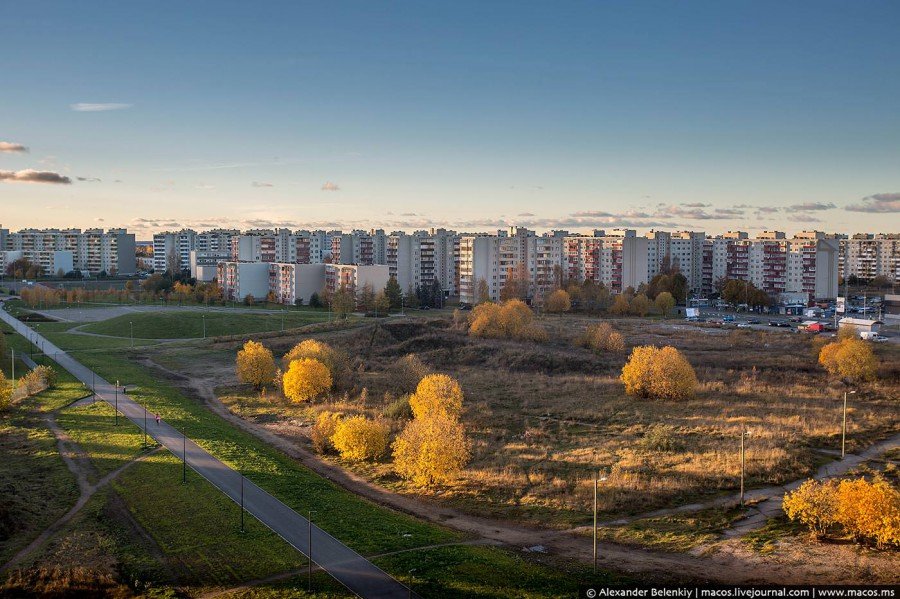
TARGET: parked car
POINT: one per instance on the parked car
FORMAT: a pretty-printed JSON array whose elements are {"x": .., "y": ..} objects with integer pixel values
[
  {"x": 773, "y": 323},
  {"x": 753, "y": 321},
  {"x": 743, "y": 325},
  {"x": 728, "y": 318}
]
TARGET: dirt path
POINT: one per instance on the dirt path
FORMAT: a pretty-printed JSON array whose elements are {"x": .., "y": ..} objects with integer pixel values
[
  {"x": 731, "y": 566},
  {"x": 80, "y": 465}
]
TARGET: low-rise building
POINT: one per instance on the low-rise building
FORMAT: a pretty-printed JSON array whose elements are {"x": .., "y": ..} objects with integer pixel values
[
  {"x": 241, "y": 279},
  {"x": 292, "y": 283}
]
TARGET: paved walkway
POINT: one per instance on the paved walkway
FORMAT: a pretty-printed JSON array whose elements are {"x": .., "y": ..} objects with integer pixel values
[{"x": 347, "y": 567}]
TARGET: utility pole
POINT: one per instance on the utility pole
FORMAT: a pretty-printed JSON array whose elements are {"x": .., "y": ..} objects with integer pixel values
[
  {"x": 309, "y": 551},
  {"x": 184, "y": 455}
]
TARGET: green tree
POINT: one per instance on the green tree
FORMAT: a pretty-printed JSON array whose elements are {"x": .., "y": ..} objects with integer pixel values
[
  {"x": 394, "y": 294},
  {"x": 343, "y": 302},
  {"x": 664, "y": 303}
]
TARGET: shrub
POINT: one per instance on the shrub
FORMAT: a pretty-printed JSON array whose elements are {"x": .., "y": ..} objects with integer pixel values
[
  {"x": 660, "y": 437},
  {"x": 431, "y": 450},
  {"x": 323, "y": 429},
  {"x": 662, "y": 373},
  {"x": 870, "y": 511},
  {"x": 406, "y": 373},
  {"x": 850, "y": 358},
  {"x": 511, "y": 320},
  {"x": 397, "y": 408},
  {"x": 255, "y": 365},
  {"x": 640, "y": 305},
  {"x": 47, "y": 375},
  {"x": 306, "y": 379},
  {"x": 558, "y": 302},
  {"x": 437, "y": 395},
  {"x": 620, "y": 306},
  {"x": 5, "y": 393},
  {"x": 664, "y": 303},
  {"x": 335, "y": 361},
  {"x": 813, "y": 503},
  {"x": 33, "y": 382},
  {"x": 359, "y": 438},
  {"x": 601, "y": 337}
]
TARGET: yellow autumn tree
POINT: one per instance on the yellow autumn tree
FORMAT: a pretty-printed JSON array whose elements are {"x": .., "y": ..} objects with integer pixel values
[
  {"x": 640, "y": 305},
  {"x": 558, "y": 302},
  {"x": 322, "y": 431},
  {"x": 850, "y": 358},
  {"x": 511, "y": 320},
  {"x": 5, "y": 393},
  {"x": 664, "y": 303},
  {"x": 359, "y": 438},
  {"x": 431, "y": 450},
  {"x": 312, "y": 348},
  {"x": 814, "y": 504},
  {"x": 620, "y": 306},
  {"x": 869, "y": 510},
  {"x": 662, "y": 373},
  {"x": 255, "y": 365},
  {"x": 306, "y": 379},
  {"x": 437, "y": 395}
]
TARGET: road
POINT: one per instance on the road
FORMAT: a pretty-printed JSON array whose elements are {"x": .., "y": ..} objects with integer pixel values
[{"x": 349, "y": 568}]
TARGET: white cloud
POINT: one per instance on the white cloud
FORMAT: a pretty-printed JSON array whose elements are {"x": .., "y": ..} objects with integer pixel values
[
  {"x": 9, "y": 147},
  {"x": 879, "y": 203},
  {"x": 33, "y": 176},
  {"x": 330, "y": 186},
  {"x": 98, "y": 107}
]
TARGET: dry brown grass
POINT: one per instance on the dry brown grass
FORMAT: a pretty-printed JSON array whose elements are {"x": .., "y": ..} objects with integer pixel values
[{"x": 544, "y": 417}]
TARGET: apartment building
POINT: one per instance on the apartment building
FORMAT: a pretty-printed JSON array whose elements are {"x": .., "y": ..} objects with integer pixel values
[
  {"x": 359, "y": 247},
  {"x": 618, "y": 260},
  {"x": 421, "y": 259},
  {"x": 867, "y": 256},
  {"x": 354, "y": 276},
  {"x": 92, "y": 251},
  {"x": 240, "y": 279},
  {"x": 290, "y": 282},
  {"x": 515, "y": 253}
]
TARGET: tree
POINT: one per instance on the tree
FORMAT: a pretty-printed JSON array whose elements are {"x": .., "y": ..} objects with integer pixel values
[
  {"x": 664, "y": 303},
  {"x": 343, "y": 302},
  {"x": 255, "y": 365},
  {"x": 673, "y": 283},
  {"x": 814, "y": 504},
  {"x": 314, "y": 301},
  {"x": 511, "y": 320},
  {"x": 5, "y": 393},
  {"x": 558, "y": 302},
  {"x": 437, "y": 395},
  {"x": 851, "y": 359},
  {"x": 482, "y": 292},
  {"x": 323, "y": 430},
  {"x": 620, "y": 306},
  {"x": 431, "y": 450},
  {"x": 640, "y": 305},
  {"x": 366, "y": 298},
  {"x": 394, "y": 294},
  {"x": 662, "y": 373},
  {"x": 407, "y": 372},
  {"x": 382, "y": 304},
  {"x": 306, "y": 379},
  {"x": 359, "y": 438},
  {"x": 335, "y": 361},
  {"x": 870, "y": 510}
]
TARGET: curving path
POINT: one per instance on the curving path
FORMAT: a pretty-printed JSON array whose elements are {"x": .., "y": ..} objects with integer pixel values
[{"x": 348, "y": 567}]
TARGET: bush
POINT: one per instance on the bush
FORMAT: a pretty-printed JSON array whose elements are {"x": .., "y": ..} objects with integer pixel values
[
  {"x": 662, "y": 373},
  {"x": 47, "y": 375},
  {"x": 600, "y": 337},
  {"x": 511, "y": 320},
  {"x": 431, "y": 450},
  {"x": 306, "y": 379},
  {"x": 323, "y": 429},
  {"x": 397, "y": 408},
  {"x": 558, "y": 302},
  {"x": 358, "y": 438},
  {"x": 33, "y": 382},
  {"x": 5, "y": 393},
  {"x": 660, "y": 437},
  {"x": 334, "y": 360},
  {"x": 437, "y": 395},
  {"x": 406, "y": 373},
  {"x": 869, "y": 510},
  {"x": 850, "y": 358}
]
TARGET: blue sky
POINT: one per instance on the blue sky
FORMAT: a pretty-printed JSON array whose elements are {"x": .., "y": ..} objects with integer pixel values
[{"x": 702, "y": 115}]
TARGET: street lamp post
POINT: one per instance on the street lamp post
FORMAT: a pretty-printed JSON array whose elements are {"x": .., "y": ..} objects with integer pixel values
[
  {"x": 844, "y": 425},
  {"x": 282, "y": 320},
  {"x": 242, "y": 503},
  {"x": 204, "y": 325},
  {"x": 117, "y": 402},
  {"x": 145, "y": 425},
  {"x": 309, "y": 551},
  {"x": 131, "y": 327},
  {"x": 744, "y": 433},
  {"x": 597, "y": 480},
  {"x": 184, "y": 455},
  {"x": 12, "y": 367}
]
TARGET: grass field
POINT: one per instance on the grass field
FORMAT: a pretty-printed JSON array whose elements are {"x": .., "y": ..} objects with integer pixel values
[
  {"x": 188, "y": 324},
  {"x": 544, "y": 417},
  {"x": 191, "y": 540}
]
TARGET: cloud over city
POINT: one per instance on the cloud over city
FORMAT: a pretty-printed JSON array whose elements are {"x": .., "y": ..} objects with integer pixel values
[
  {"x": 330, "y": 186},
  {"x": 8, "y": 147},
  {"x": 33, "y": 176},
  {"x": 878, "y": 203}
]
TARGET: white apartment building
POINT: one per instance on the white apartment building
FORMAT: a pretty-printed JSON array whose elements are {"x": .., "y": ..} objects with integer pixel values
[
  {"x": 354, "y": 276},
  {"x": 93, "y": 250},
  {"x": 290, "y": 282},
  {"x": 867, "y": 256},
  {"x": 420, "y": 259},
  {"x": 618, "y": 260},
  {"x": 240, "y": 279},
  {"x": 359, "y": 247}
]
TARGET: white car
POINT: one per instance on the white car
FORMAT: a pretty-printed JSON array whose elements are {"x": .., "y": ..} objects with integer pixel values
[
  {"x": 879, "y": 339},
  {"x": 743, "y": 325}
]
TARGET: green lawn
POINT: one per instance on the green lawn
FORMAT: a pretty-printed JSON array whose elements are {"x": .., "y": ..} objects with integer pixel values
[
  {"x": 188, "y": 324},
  {"x": 676, "y": 532}
]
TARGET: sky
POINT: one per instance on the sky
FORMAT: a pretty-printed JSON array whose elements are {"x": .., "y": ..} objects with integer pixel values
[{"x": 709, "y": 116}]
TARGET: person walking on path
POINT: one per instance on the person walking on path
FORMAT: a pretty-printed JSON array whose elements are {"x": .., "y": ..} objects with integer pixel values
[{"x": 157, "y": 419}]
